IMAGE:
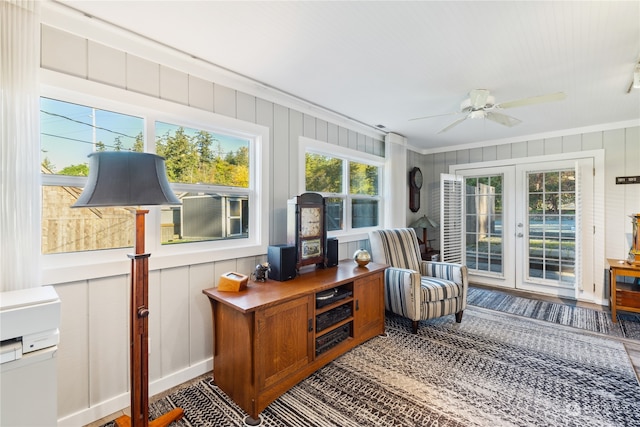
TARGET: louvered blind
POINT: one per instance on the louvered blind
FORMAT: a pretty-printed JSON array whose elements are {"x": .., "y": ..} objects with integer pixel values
[
  {"x": 451, "y": 217},
  {"x": 578, "y": 228}
]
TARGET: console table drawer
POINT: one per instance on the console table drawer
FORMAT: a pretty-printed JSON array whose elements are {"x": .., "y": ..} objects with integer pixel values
[{"x": 628, "y": 298}]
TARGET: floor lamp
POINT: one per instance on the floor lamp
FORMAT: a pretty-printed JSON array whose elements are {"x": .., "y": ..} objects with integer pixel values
[{"x": 125, "y": 178}]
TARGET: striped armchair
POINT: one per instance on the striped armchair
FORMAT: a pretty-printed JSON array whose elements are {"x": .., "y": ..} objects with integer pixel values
[{"x": 417, "y": 289}]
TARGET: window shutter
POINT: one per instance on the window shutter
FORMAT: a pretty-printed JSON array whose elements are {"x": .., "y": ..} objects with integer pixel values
[
  {"x": 578, "y": 228},
  {"x": 451, "y": 217}
]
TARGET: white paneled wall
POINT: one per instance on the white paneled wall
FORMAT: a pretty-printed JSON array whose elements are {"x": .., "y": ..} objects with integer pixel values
[{"x": 93, "y": 353}]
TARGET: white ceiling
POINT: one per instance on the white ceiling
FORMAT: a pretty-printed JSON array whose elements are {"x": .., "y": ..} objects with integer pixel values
[{"x": 385, "y": 62}]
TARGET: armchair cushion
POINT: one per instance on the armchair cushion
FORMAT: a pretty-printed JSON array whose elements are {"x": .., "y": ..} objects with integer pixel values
[{"x": 417, "y": 289}]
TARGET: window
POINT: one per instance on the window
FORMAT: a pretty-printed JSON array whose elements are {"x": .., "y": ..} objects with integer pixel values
[
  {"x": 68, "y": 133},
  {"x": 349, "y": 180},
  {"x": 214, "y": 172},
  {"x": 195, "y": 156}
]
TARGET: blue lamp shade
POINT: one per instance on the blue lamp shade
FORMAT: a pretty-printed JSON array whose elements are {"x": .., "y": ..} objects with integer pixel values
[{"x": 126, "y": 178}]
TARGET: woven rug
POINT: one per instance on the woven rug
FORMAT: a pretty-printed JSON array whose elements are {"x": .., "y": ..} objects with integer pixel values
[
  {"x": 628, "y": 325},
  {"x": 493, "y": 369}
]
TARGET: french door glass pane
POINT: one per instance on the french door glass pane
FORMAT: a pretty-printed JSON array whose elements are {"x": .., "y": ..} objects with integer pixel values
[
  {"x": 483, "y": 238},
  {"x": 551, "y": 225}
]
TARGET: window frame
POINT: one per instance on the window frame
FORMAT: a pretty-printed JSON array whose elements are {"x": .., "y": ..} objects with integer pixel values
[
  {"x": 348, "y": 234},
  {"x": 66, "y": 267}
]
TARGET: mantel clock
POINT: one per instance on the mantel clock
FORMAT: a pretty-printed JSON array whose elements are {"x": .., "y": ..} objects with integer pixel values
[{"x": 306, "y": 229}]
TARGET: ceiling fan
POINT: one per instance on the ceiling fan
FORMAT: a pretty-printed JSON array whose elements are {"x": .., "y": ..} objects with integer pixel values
[{"x": 481, "y": 104}]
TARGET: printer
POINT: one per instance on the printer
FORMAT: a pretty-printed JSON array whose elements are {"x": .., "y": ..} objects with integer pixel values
[{"x": 29, "y": 320}]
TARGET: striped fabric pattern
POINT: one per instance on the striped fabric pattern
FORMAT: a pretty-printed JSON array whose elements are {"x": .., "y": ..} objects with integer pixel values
[
  {"x": 401, "y": 247},
  {"x": 417, "y": 289},
  {"x": 399, "y": 291},
  {"x": 433, "y": 309}
]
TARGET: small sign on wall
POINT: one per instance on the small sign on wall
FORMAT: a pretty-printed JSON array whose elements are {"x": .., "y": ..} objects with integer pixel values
[{"x": 627, "y": 179}]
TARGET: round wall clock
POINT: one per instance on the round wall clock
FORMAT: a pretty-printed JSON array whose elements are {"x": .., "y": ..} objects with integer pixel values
[{"x": 415, "y": 184}]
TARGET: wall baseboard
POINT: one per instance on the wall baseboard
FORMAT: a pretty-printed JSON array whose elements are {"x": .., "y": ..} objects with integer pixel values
[{"x": 120, "y": 402}]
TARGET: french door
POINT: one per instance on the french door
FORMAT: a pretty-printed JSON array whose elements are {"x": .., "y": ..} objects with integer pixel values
[{"x": 525, "y": 226}]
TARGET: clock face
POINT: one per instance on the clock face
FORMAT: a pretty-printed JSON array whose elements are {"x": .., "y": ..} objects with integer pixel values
[
  {"x": 310, "y": 225},
  {"x": 416, "y": 179}
]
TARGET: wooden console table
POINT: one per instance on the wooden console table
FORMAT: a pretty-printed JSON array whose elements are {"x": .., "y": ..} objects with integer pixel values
[
  {"x": 272, "y": 335},
  {"x": 623, "y": 297}
]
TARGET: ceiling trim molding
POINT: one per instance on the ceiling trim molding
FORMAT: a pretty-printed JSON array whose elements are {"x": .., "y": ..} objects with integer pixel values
[{"x": 533, "y": 137}]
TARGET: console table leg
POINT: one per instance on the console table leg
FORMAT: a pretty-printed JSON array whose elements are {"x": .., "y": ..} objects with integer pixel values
[{"x": 250, "y": 421}]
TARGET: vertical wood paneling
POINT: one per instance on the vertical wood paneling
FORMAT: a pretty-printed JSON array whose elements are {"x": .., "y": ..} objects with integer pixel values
[
  {"x": 174, "y": 85},
  {"x": 224, "y": 100},
  {"x": 489, "y": 153},
  {"x": 632, "y": 168},
  {"x": 535, "y": 148},
  {"x": 246, "y": 107},
  {"x": 73, "y": 349},
  {"x": 332, "y": 134},
  {"x": 462, "y": 157},
  {"x": 592, "y": 141},
  {"x": 475, "y": 155},
  {"x": 107, "y": 65},
  {"x": 519, "y": 149},
  {"x": 379, "y": 148},
  {"x": 200, "y": 325},
  {"x": 552, "y": 146},
  {"x": 174, "y": 319},
  {"x": 343, "y": 137},
  {"x": 322, "y": 129},
  {"x": 571, "y": 143},
  {"x": 108, "y": 337},
  {"x": 296, "y": 129},
  {"x": 361, "y": 143},
  {"x": 143, "y": 76},
  {"x": 309, "y": 126},
  {"x": 200, "y": 94},
  {"x": 503, "y": 152},
  {"x": 63, "y": 51},
  {"x": 280, "y": 174},
  {"x": 615, "y": 216},
  {"x": 353, "y": 139}
]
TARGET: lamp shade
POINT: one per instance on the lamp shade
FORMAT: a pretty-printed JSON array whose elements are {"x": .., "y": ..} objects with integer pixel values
[
  {"x": 424, "y": 222},
  {"x": 126, "y": 178}
]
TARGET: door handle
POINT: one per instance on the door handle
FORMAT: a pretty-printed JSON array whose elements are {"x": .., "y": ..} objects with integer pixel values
[{"x": 310, "y": 325}]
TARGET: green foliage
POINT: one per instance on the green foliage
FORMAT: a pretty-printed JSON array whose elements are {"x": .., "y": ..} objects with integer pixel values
[
  {"x": 193, "y": 160},
  {"x": 363, "y": 179},
  {"x": 323, "y": 174},
  {"x": 76, "y": 170}
]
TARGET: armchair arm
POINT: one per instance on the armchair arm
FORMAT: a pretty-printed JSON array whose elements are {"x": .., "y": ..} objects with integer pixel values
[
  {"x": 458, "y": 273},
  {"x": 402, "y": 292},
  {"x": 445, "y": 270}
]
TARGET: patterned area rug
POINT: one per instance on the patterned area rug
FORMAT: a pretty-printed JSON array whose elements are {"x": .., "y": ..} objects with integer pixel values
[
  {"x": 493, "y": 369},
  {"x": 628, "y": 325}
]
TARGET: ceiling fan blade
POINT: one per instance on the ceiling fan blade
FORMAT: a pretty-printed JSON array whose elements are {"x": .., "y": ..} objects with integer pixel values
[
  {"x": 456, "y": 123},
  {"x": 502, "y": 119},
  {"x": 478, "y": 98},
  {"x": 558, "y": 96},
  {"x": 435, "y": 115}
]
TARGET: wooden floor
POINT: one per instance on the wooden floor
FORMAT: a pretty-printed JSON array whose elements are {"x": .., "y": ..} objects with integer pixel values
[{"x": 632, "y": 347}]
